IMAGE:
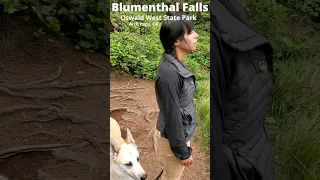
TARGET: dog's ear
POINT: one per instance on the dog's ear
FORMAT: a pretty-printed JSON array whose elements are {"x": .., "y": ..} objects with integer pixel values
[
  {"x": 129, "y": 138},
  {"x": 114, "y": 148}
]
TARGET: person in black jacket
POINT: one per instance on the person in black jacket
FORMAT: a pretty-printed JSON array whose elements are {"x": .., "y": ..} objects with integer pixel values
[
  {"x": 175, "y": 86},
  {"x": 241, "y": 80}
]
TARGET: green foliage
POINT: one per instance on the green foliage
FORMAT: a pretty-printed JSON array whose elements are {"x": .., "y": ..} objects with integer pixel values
[
  {"x": 202, "y": 101},
  {"x": 88, "y": 18},
  {"x": 293, "y": 115},
  {"x": 202, "y": 55},
  {"x": 12, "y": 6},
  {"x": 269, "y": 19},
  {"x": 297, "y": 88},
  {"x": 136, "y": 55},
  {"x": 138, "y": 50},
  {"x": 308, "y": 7},
  {"x": 267, "y": 16},
  {"x": 298, "y": 148}
]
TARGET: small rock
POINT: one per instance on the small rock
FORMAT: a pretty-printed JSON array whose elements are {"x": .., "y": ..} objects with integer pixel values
[{"x": 80, "y": 73}]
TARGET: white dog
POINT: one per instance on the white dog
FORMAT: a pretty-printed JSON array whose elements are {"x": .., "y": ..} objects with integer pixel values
[{"x": 124, "y": 156}]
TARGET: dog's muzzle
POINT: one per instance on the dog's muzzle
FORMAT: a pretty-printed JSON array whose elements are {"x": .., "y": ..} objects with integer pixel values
[{"x": 144, "y": 177}]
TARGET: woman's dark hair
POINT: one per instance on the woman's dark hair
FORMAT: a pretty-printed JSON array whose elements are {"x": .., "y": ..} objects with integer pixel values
[{"x": 172, "y": 30}]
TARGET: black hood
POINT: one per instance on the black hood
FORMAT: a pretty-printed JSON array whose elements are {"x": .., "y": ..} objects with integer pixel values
[{"x": 233, "y": 32}]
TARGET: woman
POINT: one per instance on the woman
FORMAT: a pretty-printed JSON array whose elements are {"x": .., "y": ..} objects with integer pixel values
[
  {"x": 174, "y": 86},
  {"x": 241, "y": 82}
]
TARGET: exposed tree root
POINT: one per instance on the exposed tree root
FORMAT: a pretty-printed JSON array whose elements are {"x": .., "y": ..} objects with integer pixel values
[
  {"x": 155, "y": 141},
  {"x": 147, "y": 118},
  {"x": 114, "y": 96},
  {"x": 123, "y": 97},
  {"x": 54, "y": 95},
  {"x": 24, "y": 115},
  {"x": 141, "y": 106},
  {"x": 95, "y": 76},
  {"x": 29, "y": 52},
  {"x": 50, "y": 79},
  {"x": 60, "y": 110},
  {"x": 58, "y": 166},
  {"x": 128, "y": 98},
  {"x": 133, "y": 111},
  {"x": 72, "y": 117},
  {"x": 127, "y": 88},
  {"x": 65, "y": 85},
  {"x": 87, "y": 60},
  {"x": 119, "y": 109},
  {"x": 44, "y": 132},
  {"x": 30, "y": 148},
  {"x": 124, "y": 87},
  {"x": 94, "y": 143},
  {"x": 205, "y": 173},
  {"x": 128, "y": 119},
  {"x": 150, "y": 114},
  {"x": 55, "y": 107},
  {"x": 12, "y": 109},
  {"x": 123, "y": 91}
]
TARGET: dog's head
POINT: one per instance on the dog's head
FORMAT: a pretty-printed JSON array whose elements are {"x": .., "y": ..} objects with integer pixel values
[{"x": 127, "y": 159}]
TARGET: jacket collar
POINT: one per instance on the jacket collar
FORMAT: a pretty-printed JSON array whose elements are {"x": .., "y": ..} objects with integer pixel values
[{"x": 180, "y": 65}]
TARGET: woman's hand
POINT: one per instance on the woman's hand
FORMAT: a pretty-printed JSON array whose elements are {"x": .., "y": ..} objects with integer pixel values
[{"x": 186, "y": 162}]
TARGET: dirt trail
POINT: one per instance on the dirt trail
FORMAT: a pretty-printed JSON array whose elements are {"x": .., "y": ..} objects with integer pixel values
[
  {"x": 50, "y": 95},
  {"x": 138, "y": 97}
]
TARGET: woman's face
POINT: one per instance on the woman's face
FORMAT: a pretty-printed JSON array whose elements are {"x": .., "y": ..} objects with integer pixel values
[{"x": 189, "y": 41}]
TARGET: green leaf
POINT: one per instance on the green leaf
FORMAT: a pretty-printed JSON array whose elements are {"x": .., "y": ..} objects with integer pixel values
[
  {"x": 46, "y": 10},
  {"x": 40, "y": 31},
  {"x": 36, "y": 34},
  {"x": 92, "y": 18},
  {"x": 11, "y": 10},
  {"x": 87, "y": 33},
  {"x": 53, "y": 23},
  {"x": 62, "y": 10},
  {"x": 85, "y": 44},
  {"x": 87, "y": 26},
  {"x": 288, "y": 42}
]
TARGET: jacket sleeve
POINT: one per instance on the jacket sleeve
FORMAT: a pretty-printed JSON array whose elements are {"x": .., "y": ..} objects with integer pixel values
[
  {"x": 168, "y": 87},
  {"x": 218, "y": 72}
]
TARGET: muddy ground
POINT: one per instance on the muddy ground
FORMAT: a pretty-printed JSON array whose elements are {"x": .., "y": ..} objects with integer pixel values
[{"x": 54, "y": 107}]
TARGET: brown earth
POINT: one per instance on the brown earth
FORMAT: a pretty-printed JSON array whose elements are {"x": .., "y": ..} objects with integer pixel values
[
  {"x": 138, "y": 110},
  {"x": 45, "y": 74}
]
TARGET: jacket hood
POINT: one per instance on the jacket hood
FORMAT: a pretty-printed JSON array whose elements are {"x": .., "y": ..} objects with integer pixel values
[{"x": 233, "y": 32}]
